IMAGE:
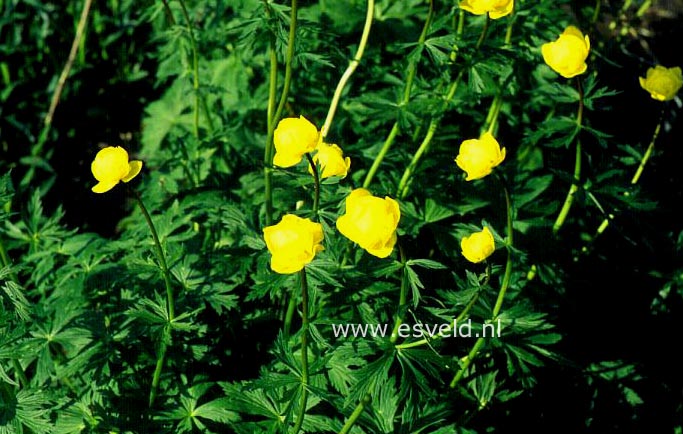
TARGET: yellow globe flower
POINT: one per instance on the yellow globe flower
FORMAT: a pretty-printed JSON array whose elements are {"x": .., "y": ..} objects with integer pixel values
[
  {"x": 478, "y": 157},
  {"x": 331, "y": 160},
  {"x": 293, "y": 243},
  {"x": 478, "y": 246},
  {"x": 662, "y": 83},
  {"x": 567, "y": 55},
  {"x": 495, "y": 8},
  {"x": 111, "y": 166},
  {"x": 293, "y": 138},
  {"x": 370, "y": 222}
]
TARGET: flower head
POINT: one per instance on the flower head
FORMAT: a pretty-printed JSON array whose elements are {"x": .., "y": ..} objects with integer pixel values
[
  {"x": 370, "y": 222},
  {"x": 293, "y": 243},
  {"x": 495, "y": 8},
  {"x": 478, "y": 246},
  {"x": 111, "y": 166},
  {"x": 331, "y": 160},
  {"x": 662, "y": 83},
  {"x": 293, "y": 138},
  {"x": 567, "y": 55},
  {"x": 478, "y": 157}
]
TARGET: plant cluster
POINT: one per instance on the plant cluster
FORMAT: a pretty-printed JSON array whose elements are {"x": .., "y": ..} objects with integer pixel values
[{"x": 305, "y": 168}]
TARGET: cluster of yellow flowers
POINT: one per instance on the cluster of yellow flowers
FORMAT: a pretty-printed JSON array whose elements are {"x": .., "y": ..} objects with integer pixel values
[
  {"x": 370, "y": 221},
  {"x": 567, "y": 56},
  {"x": 296, "y": 137}
]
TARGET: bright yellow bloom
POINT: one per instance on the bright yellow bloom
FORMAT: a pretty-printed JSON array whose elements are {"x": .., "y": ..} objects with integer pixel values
[
  {"x": 662, "y": 83},
  {"x": 331, "y": 160},
  {"x": 293, "y": 138},
  {"x": 478, "y": 157},
  {"x": 370, "y": 222},
  {"x": 567, "y": 55},
  {"x": 478, "y": 246},
  {"x": 293, "y": 243},
  {"x": 495, "y": 8},
  {"x": 111, "y": 166}
]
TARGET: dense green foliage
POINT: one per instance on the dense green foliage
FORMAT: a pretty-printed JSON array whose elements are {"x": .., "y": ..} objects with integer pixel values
[{"x": 93, "y": 315}]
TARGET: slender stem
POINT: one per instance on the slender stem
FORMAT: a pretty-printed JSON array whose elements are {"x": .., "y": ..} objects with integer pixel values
[
  {"x": 304, "y": 352},
  {"x": 80, "y": 30},
  {"x": 56, "y": 95},
  {"x": 508, "y": 263},
  {"x": 402, "y": 189},
  {"x": 501, "y": 293},
  {"x": 446, "y": 332},
  {"x": 161, "y": 357},
  {"x": 160, "y": 256},
  {"x": 288, "y": 62},
  {"x": 353, "y": 64},
  {"x": 291, "y": 306},
  {"x": 596, "y": 12},
  {"x": 574, "y": 188},
  {"x": 643, "y": 8},
  {"x": 169, "y": 13},
  {"x": 356, "y": 414},
  {"x": 274, "y": 113},
  {"x": 169, "y": 296},
  {"x": 270, "y": 118},
  {"x": 195, "y": 66},
  {"x": 412, "y": 70},
  {"x": 316, "y": 184},
  {"x": 636, "y": 178},
  {"x": 649, "y": 151},
  {"x": 403, "y": 295}
]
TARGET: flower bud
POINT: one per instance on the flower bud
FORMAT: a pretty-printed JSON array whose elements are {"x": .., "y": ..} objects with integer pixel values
[
  {"x": 567, "y": 55},
  {"x": 662, "y": 83}
]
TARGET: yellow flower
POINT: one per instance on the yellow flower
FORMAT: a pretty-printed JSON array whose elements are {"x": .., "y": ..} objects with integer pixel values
[
  {"x": 111, "y": 166},
  {"x": 495, "y": 8},
  {"x": 370, "y": 222},
  {"x": 478, "y": 157},
  {"x": 331, "y": 160},
  {"x": 478, "y": 246},
  {"x": 662, "y": 83},
  {"x": 293, "y": 138},
  {"x": 293, "y": 243},
  {"x": 567, "y": 55}
]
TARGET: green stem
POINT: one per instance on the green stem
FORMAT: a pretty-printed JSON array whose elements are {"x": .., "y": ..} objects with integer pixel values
[
  {"x": 596, "y": 12},
  {"x": 291, "y": 307},
  {"x": 501, "y": 294},
  {"x": 59, "y": 88},
  {"x": 643, "y": 8},
  {"x": 270, "y": 119},
  {"x": 402, "y": 189},
  {"x": 403, "y": 296},
  {"x": 316, "y": 184},
  {"x": 195, "y": 67},
  {"x": 304, "y": 352},
  {"x": 412, "y": 71},
  {"x": 574, "y": 188},
  {"x": 274, "y": 113},
  {"x": 636, "y": 177},
  {"x": 169, "y": 13},
  {"x": 649, "y": 151},
  {"x": 169, "y": 295},
  {"x": 353, "y": 64},
  {"x": 446, "y": 332},
  {"x": 356, "y": 414}
]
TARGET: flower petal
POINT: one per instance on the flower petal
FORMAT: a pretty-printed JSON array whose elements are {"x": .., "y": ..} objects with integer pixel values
[{"x": 135, "y": 168}]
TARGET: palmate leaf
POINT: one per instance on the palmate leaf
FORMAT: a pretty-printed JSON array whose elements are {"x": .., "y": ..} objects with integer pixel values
[
  {"x": 189, "y": 413},
  {"x": 28, "y": 409}
]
